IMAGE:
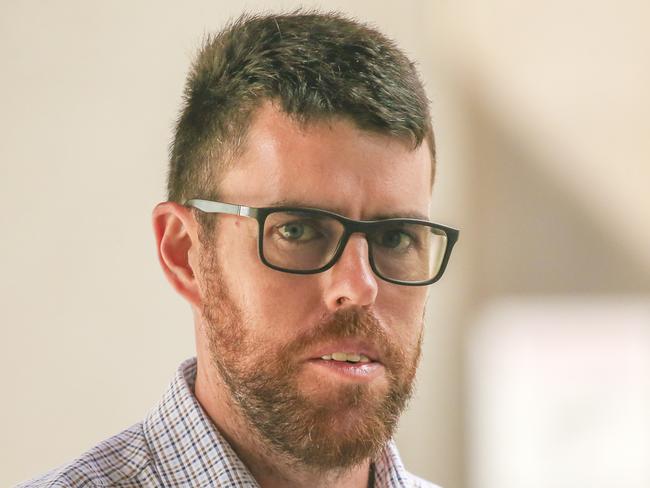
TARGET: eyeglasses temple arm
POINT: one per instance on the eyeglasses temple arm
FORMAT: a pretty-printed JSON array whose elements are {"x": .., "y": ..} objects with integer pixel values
[{"x": 220, "y": 207}]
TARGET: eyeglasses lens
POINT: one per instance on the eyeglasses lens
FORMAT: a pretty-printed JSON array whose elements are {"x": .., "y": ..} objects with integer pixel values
[
  {"x": 407, "y": 251},
  {"x": 300, "y": 241}
]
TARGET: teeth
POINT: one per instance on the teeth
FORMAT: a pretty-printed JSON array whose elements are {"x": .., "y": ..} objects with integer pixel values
[
  {"x": 346, "y": 356},
  {"x": 339, "y": 356}
]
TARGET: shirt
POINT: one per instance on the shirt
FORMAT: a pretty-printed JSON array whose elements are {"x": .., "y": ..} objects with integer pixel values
[{"x": 177, "y": 445}]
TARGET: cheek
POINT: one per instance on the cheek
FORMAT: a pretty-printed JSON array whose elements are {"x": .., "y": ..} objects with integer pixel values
[
  {"x": 274, "y": 303},
  {"x": 402, "y": 309},
  {"x": 286, "y": 304}
]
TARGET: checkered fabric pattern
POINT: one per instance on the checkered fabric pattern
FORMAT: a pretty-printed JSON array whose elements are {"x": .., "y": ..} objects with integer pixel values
[{"x": 178, "y": 446}]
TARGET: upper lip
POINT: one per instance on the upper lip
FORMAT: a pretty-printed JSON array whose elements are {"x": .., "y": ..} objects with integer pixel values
[{"x": 347, "y": 346}]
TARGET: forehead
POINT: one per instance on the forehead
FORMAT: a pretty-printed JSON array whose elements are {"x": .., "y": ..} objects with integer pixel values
[{"x": 328, "y": 164}]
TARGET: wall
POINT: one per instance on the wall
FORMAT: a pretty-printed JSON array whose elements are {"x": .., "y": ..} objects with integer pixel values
[{"x": 541, "y": 114}]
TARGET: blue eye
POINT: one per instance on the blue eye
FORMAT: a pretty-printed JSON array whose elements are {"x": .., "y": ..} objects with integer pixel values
[{"x": 297, "y": 231}]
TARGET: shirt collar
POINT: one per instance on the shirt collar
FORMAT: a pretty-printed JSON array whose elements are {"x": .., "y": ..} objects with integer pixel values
[{"x": 187, "y": 448}]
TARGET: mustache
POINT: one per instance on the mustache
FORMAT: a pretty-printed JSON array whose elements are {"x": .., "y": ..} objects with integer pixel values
[{"x": 343, "y": 324}]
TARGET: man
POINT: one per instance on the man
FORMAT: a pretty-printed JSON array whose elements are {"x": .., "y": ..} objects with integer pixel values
[{"x": 297, "y": 229}]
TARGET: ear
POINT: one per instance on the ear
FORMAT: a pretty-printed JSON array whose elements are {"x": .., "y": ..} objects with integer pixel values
[{"x": 177, "y": 243}]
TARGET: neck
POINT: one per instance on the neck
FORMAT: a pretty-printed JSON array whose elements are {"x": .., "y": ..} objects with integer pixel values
[{"x": 269, "y": 468}]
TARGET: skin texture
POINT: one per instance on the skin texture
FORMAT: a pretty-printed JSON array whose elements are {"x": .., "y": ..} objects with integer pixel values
[{"x": 253, "y": 323}]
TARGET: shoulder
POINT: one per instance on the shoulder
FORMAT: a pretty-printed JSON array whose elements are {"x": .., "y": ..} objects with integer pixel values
[{"x": 123, "y": 460}]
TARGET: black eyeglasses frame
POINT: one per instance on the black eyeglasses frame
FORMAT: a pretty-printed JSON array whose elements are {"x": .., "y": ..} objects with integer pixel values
[{"x": 350, "y": 226}]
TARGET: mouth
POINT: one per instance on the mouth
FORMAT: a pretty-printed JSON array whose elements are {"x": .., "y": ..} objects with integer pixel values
[
  {"x": 354, "y": 364},
  {"x": 349, "y": 357}
]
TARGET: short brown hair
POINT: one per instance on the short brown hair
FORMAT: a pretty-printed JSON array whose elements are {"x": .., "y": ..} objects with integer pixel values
[{"x": 313, "y": 65}]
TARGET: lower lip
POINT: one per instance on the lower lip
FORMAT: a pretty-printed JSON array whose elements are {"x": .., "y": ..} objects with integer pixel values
[{"x": 362, "y": 372}]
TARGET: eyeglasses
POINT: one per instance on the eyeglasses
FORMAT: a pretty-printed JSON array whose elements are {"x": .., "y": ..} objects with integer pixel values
[{"x": 297, "y": 240}]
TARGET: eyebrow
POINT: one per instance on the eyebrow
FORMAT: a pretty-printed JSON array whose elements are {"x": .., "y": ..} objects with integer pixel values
[{"x": 340, "y": 211}]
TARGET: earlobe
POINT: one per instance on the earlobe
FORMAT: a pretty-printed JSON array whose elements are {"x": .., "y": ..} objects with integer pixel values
[{"x": 176, "y": 242}]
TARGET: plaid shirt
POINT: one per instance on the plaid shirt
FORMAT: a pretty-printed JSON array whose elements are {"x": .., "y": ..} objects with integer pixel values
[{"x": 177, "y": 445}]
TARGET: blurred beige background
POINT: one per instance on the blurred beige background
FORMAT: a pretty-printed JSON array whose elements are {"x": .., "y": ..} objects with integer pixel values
[{"x": 536, "y": 369}]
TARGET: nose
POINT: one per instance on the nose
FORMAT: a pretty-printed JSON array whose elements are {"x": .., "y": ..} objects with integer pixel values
[{"x": 351, "y": 282}]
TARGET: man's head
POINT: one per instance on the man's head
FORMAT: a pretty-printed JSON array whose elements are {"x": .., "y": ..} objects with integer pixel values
[
  {"x": 313, "y": 111},
  {"x": 313, "y": 66}
]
